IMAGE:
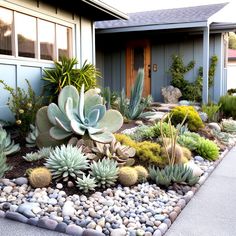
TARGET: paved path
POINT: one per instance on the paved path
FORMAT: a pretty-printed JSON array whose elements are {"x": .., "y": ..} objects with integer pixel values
[{"x": 212, "y": 211}]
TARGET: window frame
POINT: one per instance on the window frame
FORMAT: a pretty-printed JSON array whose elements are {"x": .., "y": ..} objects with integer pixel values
[{"x": 38, "y": 16}]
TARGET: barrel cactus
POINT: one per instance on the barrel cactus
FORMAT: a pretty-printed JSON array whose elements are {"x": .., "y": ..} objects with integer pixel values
[
  {"x": 78, "y": 114},
  {"x": 128, "y": 176},
  {"x": 142, "y": 173},
  {"x": 40, "y": 177}
]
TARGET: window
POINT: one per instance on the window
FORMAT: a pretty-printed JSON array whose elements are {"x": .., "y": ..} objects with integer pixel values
[
  {"x": 46, "y": 39},
  {"x": 26, "y": 35},
  {"x": 22, "y": 35},
  {"x": 63, "y": 41},
  {"x": 6, "y": 18}
]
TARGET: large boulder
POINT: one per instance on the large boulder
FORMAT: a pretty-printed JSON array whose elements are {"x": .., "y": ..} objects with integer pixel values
[{"x": 171, "y": 94}]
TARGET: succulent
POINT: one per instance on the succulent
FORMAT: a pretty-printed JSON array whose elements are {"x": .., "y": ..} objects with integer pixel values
[
  {"x": 229, "y": 125},
  {"x": 32, "y": 136},
  {"x": 178, "y": 173},
  {"x": 40, "y": 177},
  {"x": 182, "y": 129},
  {"x": 189, "y": 140},
  {"x": 66, "y": 161},
  {"x": 7, "y": 145},
  {"x": 142, "y": 132},
  {"x": 3, "y": 164},
  {"x": 128, "y": 176},
  {"x": 142, "y": 173},
  {"x": 225, "y": 138},
  {"x": 208, "y": 150},
  {"x": 187, "y": 153},
  {"x": 45, "y": 152},
  {"x": 115, "y": 150},
  {"x": 105, "y": 172},
  {"x": 166, "y": 129},
  {"x": 86, "y": 183},
  {"x": 32, "y": 156}
]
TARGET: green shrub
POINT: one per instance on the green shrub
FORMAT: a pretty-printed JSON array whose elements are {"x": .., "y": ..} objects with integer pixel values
[
  {"x": 212, "y": 111},
  {"x": 24, "y": 106},
  {"x": 228, "y": 106},
  {"x": 193, "y": 119},
  {"x": 208, "y": 149},
  {"x": 231, "y": 91}
]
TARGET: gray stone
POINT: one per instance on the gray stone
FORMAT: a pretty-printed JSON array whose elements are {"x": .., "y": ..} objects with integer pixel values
[
  {"x": 163, "y": 227},
  {"x": 157, "y": 233},
  {"x": 47, "y": 223},
  {"x": 6, "y": 206},
  {"x": 2, "y": 214},
  {"x": 61, "y": 227},
  {"x": 33, "y": 221},
  {"x": 16, "y": 216},
  {"x": 168, "y": 222},
  {"x": 26, "y": 209},
  {"x": 173, "y": 215},
  {"x": 91, "y": 225},
  {"x": 21, "y": 180},
  {"x": 181, "y": 203},
  {"x": 118, "y": 232},
  {"x": 91, "y": 232},
  {"x": 215, "y": 126},
  {"x": 74, "y": 230},
  {"x": 197, "y": 172},
  {"x": 171, "y": 94},
  {"x": 199, "y": 158}
]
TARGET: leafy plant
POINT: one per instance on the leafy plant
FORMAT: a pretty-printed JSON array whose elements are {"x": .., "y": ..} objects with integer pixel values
[
  {"x": 128, "y": 176},
  {"x": 131, "y": 109},
  {"x": 212, "y": 111},
  {"x": 105, "y": 172},
  {"x": 228, "y": 106},
  {"x": 24, "y": 106},
  {"x": 77, "y": 114},
  {"x": 86, "y": 183},
  {"x": 4, "y": 167},
  {"x": 7, "y": 146},
  {"x": 228, "y": 125},
  {"x": 208, "y": 149},
  {"x": 193, "y": 119},
  {"x": 110, "y": 98},
  {"x": 65, "y": 74},
  {"x": 32, "y": 136},
  {"x": 142, "y": 132},
  {"x": 178, "y": 173},
  {"x": 40, "y": 177},
  {"x": 188, "y": 141},
  {"x": 231, "y": 91},
  {"x": 45, "y": 152},
  {"x": 66, "y": 161}
]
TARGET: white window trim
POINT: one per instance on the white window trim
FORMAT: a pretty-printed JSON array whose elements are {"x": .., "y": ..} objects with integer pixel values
[{"x": 37, "y": 16}]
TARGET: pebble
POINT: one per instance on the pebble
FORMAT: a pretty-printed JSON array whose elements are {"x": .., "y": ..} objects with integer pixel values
[
  {"x": 163, "y": 227},
  {"x": 157, "y": 233},
  {"x": 68, "y": 209},
  {"x": 118, "y": 232},
  {"x": 16, "y": 216},
  {"x": 74, "y": 230},
  {"x": 47, "y": 223},
  {"x": 21, "y": 180},
  {"x": 91, "y": 232},
  {"x": 33, "y": 221},
  {"x": 59, "y": 186},
  {"x": 7, "y": 189},
  {"x": 26, "y": 209},
  {"x": 61, "y": 227}
]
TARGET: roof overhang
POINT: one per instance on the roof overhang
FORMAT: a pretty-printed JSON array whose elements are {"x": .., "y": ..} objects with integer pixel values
[{"x": 94, "y": 9}]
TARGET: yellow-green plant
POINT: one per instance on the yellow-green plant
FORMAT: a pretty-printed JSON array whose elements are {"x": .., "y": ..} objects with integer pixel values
[
  {"x": 208, "y": 149},
  {"x": 40, "y": 177},
  {"x": 142, "y": 173},
  {"x": 128, "y": 176},
  {"x": 192, "y": 117}
]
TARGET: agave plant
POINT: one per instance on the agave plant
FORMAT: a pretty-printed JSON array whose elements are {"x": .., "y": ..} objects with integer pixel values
[
  {"x": 3, "y": 164},
  {"x": 77, "y": 114},
  {"x": 115, "y": 150},
  {"x": 66, "y": 161},
  {"x": 105, "y": 172},
  {"x": 86, "y": 183},
  {"x": 7, "y": 145},
  {"x": 31, "y": 137}
]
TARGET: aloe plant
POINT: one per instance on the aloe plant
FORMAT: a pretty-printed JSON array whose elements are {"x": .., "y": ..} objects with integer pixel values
[{"x": 82, "y": 114}]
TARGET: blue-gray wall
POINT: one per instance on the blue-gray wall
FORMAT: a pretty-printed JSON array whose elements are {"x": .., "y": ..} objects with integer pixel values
[{"x": 111, "y": 59}]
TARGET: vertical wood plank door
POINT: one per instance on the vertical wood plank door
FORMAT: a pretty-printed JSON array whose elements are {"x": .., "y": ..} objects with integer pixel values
[{"x": 138, "y": 55}]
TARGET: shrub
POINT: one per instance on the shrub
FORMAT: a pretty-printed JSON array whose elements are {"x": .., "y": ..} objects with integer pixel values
[
  {"x": 40, "y": 177},
  {"x": 228, "y": 106},
  {"x": 128, "y": 176},
  {"x": 24, "y": 106},
  {"x": 193, "y": 119},
  {"x": 208, "y": 149}
]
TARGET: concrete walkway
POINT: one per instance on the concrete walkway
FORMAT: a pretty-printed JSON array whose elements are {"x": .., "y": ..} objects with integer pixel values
[{"x": 212, "y": 211}]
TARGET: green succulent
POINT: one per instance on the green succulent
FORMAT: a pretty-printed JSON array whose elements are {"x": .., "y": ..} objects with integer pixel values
[
  {"x": 86, "y": 183},
  {"x": 225, "y": 138},
  {"x": 45, "y": 151},
  {"x": 166, "y": 129},
  {"x": 105, "y": 172},
  {"x": 32, "y": 156},
  {"x": 189, "y": 140},
  {"x": 229, "y": 125},
  {"x": 143, "y": 132},
  {"x": 66, "y": 161},
  {"x": 208, "y": 149},
  {"x": 32, "y": 136},
  {"x": 77, "y": 114},
  {"x": 114, "y": 150},
  {"x": 178, "y": 173},
  {"x": 182, "y": 129},
  {"x": 4, "y": 167},
  {"x": 7, "y": 145}
]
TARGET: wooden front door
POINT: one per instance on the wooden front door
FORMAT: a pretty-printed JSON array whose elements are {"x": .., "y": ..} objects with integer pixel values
[{"x": 138, "y": 56}]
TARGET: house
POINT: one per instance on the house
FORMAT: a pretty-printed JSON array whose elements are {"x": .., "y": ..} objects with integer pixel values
[
  {"x": 33, "y": 33},
  {"x": 231, "y": 80},
  {"x": 149, "y": 39}
]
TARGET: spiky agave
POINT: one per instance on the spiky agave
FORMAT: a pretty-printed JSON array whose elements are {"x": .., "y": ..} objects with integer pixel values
[
  {"x": 86, "y": 183},
  {"x": 67, "y": 161},
  {"x": 105, "y": 172}
]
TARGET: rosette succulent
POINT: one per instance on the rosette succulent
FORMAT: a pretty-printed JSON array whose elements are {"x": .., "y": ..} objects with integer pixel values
[
  {"x": 66, "y": 161},
  {"x": 86, "y": 183},
  {"x": 78, "y": 114}
]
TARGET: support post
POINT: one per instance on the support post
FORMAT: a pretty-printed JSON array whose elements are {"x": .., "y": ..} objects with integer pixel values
[{"x": 205, "y": 89}]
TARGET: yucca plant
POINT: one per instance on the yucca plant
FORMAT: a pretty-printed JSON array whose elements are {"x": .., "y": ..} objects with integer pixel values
[
  {"x": 66, "y": 161},
  {"x": 105, "y": 172},
  {"x": 86, "y": 183},
  {"x": 65, "y": 74},
  {"x": 4, "y": 167}
]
